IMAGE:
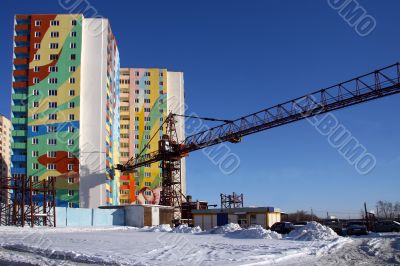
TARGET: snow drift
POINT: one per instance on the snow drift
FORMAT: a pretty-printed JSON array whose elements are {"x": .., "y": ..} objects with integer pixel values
[
  {"x": 312, "y": 231},
  {"x": 158, "y": 228},
  {"x": 184, "y": 228},
  {"x": 256, "y": 231},
  {"x": 231, "y": 227}
]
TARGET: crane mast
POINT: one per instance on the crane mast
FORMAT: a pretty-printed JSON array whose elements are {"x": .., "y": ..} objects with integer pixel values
[{"x": 374, "y": 85}]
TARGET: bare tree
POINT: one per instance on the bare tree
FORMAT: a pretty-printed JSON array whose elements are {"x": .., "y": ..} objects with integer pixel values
[{"x": 388, "y": 210}]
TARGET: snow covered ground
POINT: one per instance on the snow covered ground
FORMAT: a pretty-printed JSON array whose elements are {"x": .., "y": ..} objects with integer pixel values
[{"x": 228, "y": 245}]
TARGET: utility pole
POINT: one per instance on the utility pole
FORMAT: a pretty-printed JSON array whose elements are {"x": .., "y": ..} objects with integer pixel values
[
  {"x": 327, "y": 215},
  {"x": 366, "y": 214}
]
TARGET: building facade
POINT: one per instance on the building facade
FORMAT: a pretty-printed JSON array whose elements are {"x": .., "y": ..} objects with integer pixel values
[
  {"x": 65, "y": 106},
  {"x": 5, "y": 146},
  {"x": 147, "y": 96}
]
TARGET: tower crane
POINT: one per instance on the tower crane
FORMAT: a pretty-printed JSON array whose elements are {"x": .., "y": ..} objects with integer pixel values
[{"x": 374, "y": 85}]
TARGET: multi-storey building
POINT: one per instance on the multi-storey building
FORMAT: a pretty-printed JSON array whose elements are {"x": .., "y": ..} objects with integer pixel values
[
  {"x": 5, "y": 146},
  {"x": 65, "y": 111},
  {"x": 147, "y": 96}
]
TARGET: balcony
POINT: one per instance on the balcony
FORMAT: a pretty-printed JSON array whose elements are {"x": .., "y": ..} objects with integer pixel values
[
  {"x": 22, "y": 49},
  {"x": 18, "y": 158},
  {"x": 19, "y": 108},
  {"x": 18, "y": 171},
  {"x": 21, "y": 38},
  {"x": 19, "y": 96},
  {"x": 19, "y": 121},
  {"x": 18, "y": 145},
  {"x": 21, "y": 61},
  {"x": 18, "y": 133},
  {"x": 19, "y": 27},
  {"x": 20, "y": 72}
]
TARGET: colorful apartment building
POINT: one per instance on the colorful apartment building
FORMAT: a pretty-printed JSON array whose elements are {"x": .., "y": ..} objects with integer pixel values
[
  {"x": 147, "y": 96},
  {"x": 65, "y": 99},
  {"x": 5, "y": 146}
]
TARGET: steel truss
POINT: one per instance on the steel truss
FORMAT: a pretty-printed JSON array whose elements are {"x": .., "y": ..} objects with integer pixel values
[{"x": 27, "y": 202}]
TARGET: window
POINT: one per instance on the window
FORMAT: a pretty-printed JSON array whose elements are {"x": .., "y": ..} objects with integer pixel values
[
  {"x": 35, "y": 116},
  {"x": 72, "y": 69},
  {"x": 147, "y": 184},
  {"x": 51, "y": 129},
  {"x": 137, "y": 82},
  {"x": 136, "y": 136},
  {"x": 147, "y": 74},
  {"x": 147, "y": 82},
  {"x": 71, "y": 105},
  {"x": 71, "y": 92},
  {"x": 161, "y": 83},
  {"x": 52, "y": 116},
  {"x": 71, "y": 117},
  {"x": 71, "y": 129},
  {"x": 73, "y": 33},
  {"x": 36, "y": 45},
  {"x": 136, "y": 109},
  {"x": 38, "y": 23},
  {"x": 147, "y": 110},
  {"x": 147, "y": 137},
  {"x": 36, "y": 80},
  {"x": 70, "y": 167},
  {"x": 35, "y": 153},
  {"x": 147, "y": 100},
  {"x": 161, "y": 74},
  {"x": 70, "y": 142},
  {"x": 136, "y": 118},
  {"x": 51, "y": 154},
  {"x": 147, "y": 91},
  {"x": 36, "y": 57},
  {"x": 35, "y": 141},
  {"x": 53, "y": 45},
  {"x": 137, "y": 91},
  {"x": 53, "y": 56},
  {"x": 53, "y": 80},
  {"x": 52, "y": 93},
  {"x": 70, "y": 193},
  {"x": 35, "y": 178},
  {"x": 51, "y": 166},
  {"x": 35, "y": 166},
  {"x": 137, "y": 73},
  {"x": 51, "y": 141},
  {"x": 52, "y": 105},
  {"x": 72, "y": 56},
  {"x": 35, "y": 104},
  {"x": 37, "y": 34},
  {"x": 147, "y": 193},
  {"x": 147, "y": 127},
  {"x": 53, "y": 68},
  {"x": 70, "y": 155},
  {"x": 72, "y": 80},
  {"x": 55, "y": 23},
  {"x": 70, "y": 205},
  {"x": 147, "y": 119},
  {"x": 73, "y": 22},
  {"x": 54, "y": 34},
  {"x": 35, "y": 128},
  {"x": 70, "y": 180},
  {"x": 36, "y": 69},
  {"x": 72, "y": 45}
]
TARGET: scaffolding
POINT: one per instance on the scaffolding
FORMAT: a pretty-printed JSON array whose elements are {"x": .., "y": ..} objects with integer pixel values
[
  {"x": 25, "y": 201},
  {"x": 231, "y": 201}
]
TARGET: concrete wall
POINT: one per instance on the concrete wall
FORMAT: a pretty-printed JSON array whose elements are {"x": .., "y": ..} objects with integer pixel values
[
  {"x": 92, "y": 137},
  {"x": 134, "y": 216},
  {"x": 89, "y": 217}
]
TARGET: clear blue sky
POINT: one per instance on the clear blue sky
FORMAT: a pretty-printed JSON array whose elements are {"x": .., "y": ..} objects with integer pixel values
[{"x": 242, "y": 56}]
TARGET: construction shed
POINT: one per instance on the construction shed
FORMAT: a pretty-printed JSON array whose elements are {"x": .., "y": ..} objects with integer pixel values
[
  {"x": 139, "y": 215},
  {"x": 245, "y": 217}
]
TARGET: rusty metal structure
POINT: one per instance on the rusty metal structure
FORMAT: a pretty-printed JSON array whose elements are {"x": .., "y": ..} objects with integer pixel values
[
  {"x": 231, "y": 201},
  {"x": 25, "y": 201},
  {"x": 374, "y": 85}
]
